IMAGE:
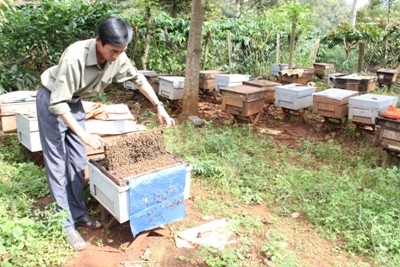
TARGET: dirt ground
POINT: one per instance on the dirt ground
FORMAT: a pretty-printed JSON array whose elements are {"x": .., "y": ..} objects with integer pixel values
[{"x": 115, "y": 246}]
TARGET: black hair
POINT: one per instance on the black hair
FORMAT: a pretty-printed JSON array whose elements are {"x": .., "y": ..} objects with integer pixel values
[{"x": 114, "y": 31}]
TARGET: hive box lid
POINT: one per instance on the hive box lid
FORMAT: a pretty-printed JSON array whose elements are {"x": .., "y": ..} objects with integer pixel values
[
  {"x": 233, "y": 77},
  {"x": 246, "y": 92},
  {"x": 340, "y": 96},
  {"x": 177, "y": 81},
  {"x": 374, "y": 101},
  {"x": 269, "y": 85},
  {"x": 209, "y": 74},
  {"x": 295, "y": 89}
]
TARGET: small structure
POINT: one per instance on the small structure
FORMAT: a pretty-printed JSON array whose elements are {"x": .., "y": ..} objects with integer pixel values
[
  {"x": 244, "y": 100},
  {"x": 388, "y": 135},
  {"x": 171, "y": 87},
  {"x": 138, "y": 181},
  {"x": 227, "y": 80},
  {"x": 294, "y": 98},
  {"x": 297, "y": 75},
  {"x": 356, "y": 82},
  {"x": 207, "y": 79},
  {"x": 332, "y": 104},
  {"x": 387, "y": 77},
  {"x": 13, "y": 102},
  {"x": 321, "y": 70},
  {"x": 265, "y": 84},
  {"x": 364, "y": 109}
]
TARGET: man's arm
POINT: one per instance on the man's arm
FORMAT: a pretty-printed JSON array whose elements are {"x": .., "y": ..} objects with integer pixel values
[
  {"x": 149, "y": 93},
  {"x": 92, "y": 140}
]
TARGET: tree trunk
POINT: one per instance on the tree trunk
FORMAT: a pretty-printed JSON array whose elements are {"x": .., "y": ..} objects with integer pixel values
[
  {"x": 149, "y": 32},
  {"x": 353, "y": 14},
  {"x": 190, "y": 99},
  {"x": 291, "y": 47}
]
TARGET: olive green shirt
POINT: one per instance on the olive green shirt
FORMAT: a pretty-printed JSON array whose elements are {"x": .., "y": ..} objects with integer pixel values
[{"x": 78, "y": 74}]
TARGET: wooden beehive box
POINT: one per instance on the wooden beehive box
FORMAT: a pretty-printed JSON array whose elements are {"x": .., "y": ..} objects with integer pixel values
[
  {"x": 365, "y": 108},
  {"x": 323, "y": 69},
  {"x": 356, "y": 83},
  {"x": 8, "y": 123},
  {"x": 298, "y": 75},
  {"x": 228, "y": 80},
  {"x": 243, "y": 100},
  {"x": 386, "y": 76},
  {"x": 332, "y": 103},
  {"x": 387, "y": 132},
  {"x": 294, "y": 96},
  {"x": 265, "y": 84},
  {"x": 207, "y": 79},
  {"x": 171, "y": 87}
]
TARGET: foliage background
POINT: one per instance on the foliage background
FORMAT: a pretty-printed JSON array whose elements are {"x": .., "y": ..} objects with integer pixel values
[{"x": 244, "y": 38}]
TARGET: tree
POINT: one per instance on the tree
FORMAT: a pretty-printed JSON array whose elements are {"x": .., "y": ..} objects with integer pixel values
[{"x": 191, "y": 89}]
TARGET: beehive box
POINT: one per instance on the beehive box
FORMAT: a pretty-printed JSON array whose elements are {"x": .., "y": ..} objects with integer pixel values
[
  {"x": 387, "y": 132},
  {"x": 332, "y": 103},
  {"x": 297, "y": 75},
  {"x": 243, "y": 100},
  {"x": 227, "y": 80},
  {"x": 332, "y": 77},
  {"x": 356, "y": 83},
  {"x": 276, "y": 68},
  {"x": 294, "y": 96},
  {"x": 386, "y": 76},
  {"x": 323, "y": 69},
  {"x": 365, "y": 108},
  {"x": 8, "y": 123},
  {"x": 265, "y": 84},
  {"x": 171, "y": 87},
  {"x": 207, "y": 79},
  {"x": 28, "y": 131}
]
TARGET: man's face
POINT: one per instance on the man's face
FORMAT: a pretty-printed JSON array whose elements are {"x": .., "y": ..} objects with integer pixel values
[{"x": 109, "y": 52}]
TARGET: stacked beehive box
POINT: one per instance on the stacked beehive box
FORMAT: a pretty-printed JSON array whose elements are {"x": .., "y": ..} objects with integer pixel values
[
  {"x": 243, "y": 100},
  {"x": 227, "y": 80},
  {"x": 386, "y": 76},
  {"x": 207, "y": 79},
  {"x": 265, "y": 84},
  {"x": 138, "y": 176},
  {"x": 365, "y": 108},
  {"x": 297, "y": 75},
  {"x": 356, "y": 83},
  {"x": 332, "y": 103},
  {"x": 294, "y": 96},
  {"x": 171, "y": 87},
  {"x": 321, "y": 70},
  {"x": 10, "y": 103}
]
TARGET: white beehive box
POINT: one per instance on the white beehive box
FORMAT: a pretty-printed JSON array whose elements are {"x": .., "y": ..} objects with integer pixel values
[
  {"x": 294, "y": 96},
  {"x": 226, "y": 80},
  {"x": 115, "y": 198},
  {"x": 365, "y": 108},
  {"x": 171, "y": 87},
  {"x": 28, "y": 131}
]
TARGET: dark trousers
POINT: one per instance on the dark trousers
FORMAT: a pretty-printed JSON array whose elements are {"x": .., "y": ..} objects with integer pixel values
[{"x": 64, "y": 157}]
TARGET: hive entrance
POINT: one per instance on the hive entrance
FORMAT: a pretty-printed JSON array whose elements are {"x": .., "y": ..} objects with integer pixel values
[{"x": 135, "y": 154}]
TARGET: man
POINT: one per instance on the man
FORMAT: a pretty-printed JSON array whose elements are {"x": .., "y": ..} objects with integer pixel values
[{"x": 86, "y": 67}]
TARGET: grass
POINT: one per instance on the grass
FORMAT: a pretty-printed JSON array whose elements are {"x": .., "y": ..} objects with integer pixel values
[{"x": 344, "y": 188}]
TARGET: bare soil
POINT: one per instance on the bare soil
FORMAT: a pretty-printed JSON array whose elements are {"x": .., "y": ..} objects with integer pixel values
[{"x": 115, "y": 246}]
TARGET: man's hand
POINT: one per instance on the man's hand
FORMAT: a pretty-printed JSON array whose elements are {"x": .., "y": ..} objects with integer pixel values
[
  {"x": 163, "y": 116},
  {"x": 93, "y": 140}
]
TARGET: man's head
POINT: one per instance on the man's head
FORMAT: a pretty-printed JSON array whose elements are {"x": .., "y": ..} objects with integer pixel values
[
  {"x": 115, "y": 31},
  {"x": 113, "y": 37}
]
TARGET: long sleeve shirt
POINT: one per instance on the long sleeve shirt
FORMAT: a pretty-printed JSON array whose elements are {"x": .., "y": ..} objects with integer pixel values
[{"x": 78, "y": 74}]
